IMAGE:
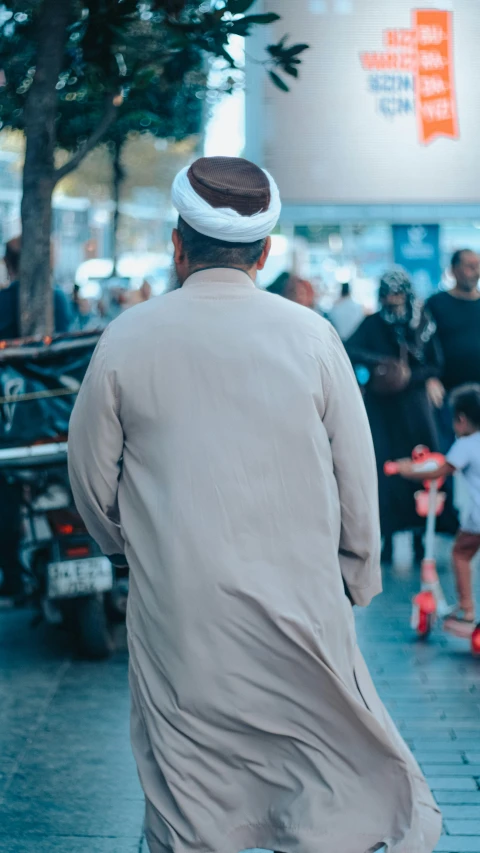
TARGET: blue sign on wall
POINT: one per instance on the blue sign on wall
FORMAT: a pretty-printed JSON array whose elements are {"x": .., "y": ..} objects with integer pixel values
[{"x": 417, "y": 249}]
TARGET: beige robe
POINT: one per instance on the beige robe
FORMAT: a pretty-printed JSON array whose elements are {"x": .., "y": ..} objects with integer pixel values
[{"x": 220, "y": 442}]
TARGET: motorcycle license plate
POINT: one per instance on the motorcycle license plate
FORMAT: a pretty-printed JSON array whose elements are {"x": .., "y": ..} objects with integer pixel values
[{"x": 79, "y": 577}]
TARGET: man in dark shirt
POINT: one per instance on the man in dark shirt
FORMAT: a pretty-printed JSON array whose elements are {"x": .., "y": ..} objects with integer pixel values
[
  {"x": 10, "y": 494},
  {"x": 9, "y": 297},
  {"x": 457, "y": 315}
]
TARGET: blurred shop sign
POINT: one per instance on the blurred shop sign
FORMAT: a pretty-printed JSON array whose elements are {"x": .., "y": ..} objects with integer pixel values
[
  {"x": 385, "y": 107},
  {"x": 417, "y": 249}
]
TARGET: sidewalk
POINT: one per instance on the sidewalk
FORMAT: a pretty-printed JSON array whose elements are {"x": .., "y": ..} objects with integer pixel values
[
  {"x": 432, "y": 690},
  {"x": 68, "y": 783}
]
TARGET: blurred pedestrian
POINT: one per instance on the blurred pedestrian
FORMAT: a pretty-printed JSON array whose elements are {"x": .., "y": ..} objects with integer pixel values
[
  {"x": 114, "y": 301},
  {"x": 10, "y": 494},
  {"x": 294, "y": 288},
  {"x": 346, "y": 315},
  {"x": 457, "y": 316},
  {"x": 143, "y": 294},
  {"x": 221, "y": 445},
  {"x": 9, "y": 297},
  {"x": 399, "y": 347},
  {"x": 84, "y": 316}
]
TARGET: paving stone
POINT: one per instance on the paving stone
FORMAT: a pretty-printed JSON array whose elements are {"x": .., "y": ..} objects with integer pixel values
[
  {"x": 451, "y": 783},
  {"x": 461, "y": 728},
  {"x": 69, "y": 844},
  {"x": 439, "y": 755},
  {"x": 458, "y": 844},
  {"x": 113, "y": 784},
  {"x": 451, "y": 770},
  {"x": 461, "y": 812},
  {"x": 43, "y": 816},
  {"x": 434, "y": 713},
  {"x": 457, "y": 798},
  {"x": 462, "y": 827}
]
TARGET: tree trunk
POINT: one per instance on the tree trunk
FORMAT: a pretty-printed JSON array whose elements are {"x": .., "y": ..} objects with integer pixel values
[
  {"x": 39, "y": 178},
  {"x": 118, "y": 178}
]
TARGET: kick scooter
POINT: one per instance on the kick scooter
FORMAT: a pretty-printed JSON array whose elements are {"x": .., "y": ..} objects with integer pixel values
[{"x": 430, "y": 603}]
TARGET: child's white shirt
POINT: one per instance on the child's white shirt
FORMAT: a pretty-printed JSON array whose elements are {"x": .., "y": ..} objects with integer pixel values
[{"x": 464, "y": 456}]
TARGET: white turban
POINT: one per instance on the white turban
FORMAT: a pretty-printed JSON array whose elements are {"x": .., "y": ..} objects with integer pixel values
[{"x": 224, "y": 223}]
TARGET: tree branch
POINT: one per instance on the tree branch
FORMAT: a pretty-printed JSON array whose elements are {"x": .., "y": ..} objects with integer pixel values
[{"x": 108, "y": 118}]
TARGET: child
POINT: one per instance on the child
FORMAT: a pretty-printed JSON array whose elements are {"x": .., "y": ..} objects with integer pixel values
[{"x": 464, "y": 456}]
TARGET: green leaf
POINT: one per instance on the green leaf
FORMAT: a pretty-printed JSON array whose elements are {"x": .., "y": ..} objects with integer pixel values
[
  {"x": 277, "y": 49},
  {"x": 296, "y": 49},
  {"x": 240, "y": 27},
  {"x": 238, "y": 7},
  {"x": 292, "y": 70},
  {"x": 278, "y": 82},
  {"x": 268, "y": 18}
]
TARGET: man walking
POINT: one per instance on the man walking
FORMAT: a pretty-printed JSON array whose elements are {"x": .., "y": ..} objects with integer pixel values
[
  {"x": 457, "y": 316},
  {"x": 220, "y": 443}
]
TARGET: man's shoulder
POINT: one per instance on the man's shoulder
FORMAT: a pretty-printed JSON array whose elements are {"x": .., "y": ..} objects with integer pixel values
[
  {"x": 9, "y": 293},
  {"x": 438, "y": 300},
  {"x": 8, "y": 300},
  {"x": 373, "y": 321},
  {"x": 278, "y": 308},
  {"x": 337, "y": 309},
  {"x": 143, "y": 313},
  {"x": 59, "y": 295},
  {"x": 141, "y": 321},
  {"x": 9, "y": 311}
]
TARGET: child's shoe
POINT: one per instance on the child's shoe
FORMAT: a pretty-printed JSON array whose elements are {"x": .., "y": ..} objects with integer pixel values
[{"x": 458, "y": 625}]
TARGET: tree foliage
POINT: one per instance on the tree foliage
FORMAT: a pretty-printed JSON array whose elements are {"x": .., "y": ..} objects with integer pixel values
[
  {"x": 78, "y": 71},
  {"x": 129, "y": 65}
]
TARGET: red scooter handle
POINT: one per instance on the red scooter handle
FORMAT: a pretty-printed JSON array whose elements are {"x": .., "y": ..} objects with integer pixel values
[{"x": 391, "y": 468}]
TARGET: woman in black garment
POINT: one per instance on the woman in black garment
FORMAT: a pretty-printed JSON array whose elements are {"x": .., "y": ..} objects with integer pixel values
[{"x": 400, "y": 348}]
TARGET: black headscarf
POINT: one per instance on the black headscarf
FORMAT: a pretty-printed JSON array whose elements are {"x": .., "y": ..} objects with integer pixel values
[{"x": 411, "y": 324}]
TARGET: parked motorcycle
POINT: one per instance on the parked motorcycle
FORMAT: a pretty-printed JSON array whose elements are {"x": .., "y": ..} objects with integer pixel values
[{"x": 63, "y": 571}]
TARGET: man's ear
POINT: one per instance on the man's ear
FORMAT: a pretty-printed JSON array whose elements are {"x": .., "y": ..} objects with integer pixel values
[
  {"x": 179, "y": 254},
  {"x": 264, "y": 256}
]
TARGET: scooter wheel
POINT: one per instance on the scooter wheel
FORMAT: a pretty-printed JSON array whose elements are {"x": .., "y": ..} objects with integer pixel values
[
  {"x": 476, "y": 642},
  {"x": 425, "y": 624},
  {"x": 94, "y": 634},
  {"x": 424, "y": 613}
]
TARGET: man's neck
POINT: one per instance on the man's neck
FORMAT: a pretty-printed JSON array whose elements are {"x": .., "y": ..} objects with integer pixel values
[
  {"x": 465, "y": 295},
  {"x": 252, "y": 272}
]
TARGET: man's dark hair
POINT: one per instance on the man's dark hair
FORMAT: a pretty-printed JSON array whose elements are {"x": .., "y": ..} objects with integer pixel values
[
  {"x": 201, "y": 250},
  {"x": 457, "y": 257},
  {"x": 345, "y": 289},
  {"x": 466, "y": 401}
]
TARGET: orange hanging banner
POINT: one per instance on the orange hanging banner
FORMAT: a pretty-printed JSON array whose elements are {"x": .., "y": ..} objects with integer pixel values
[{"x": 436, "y": 98}]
